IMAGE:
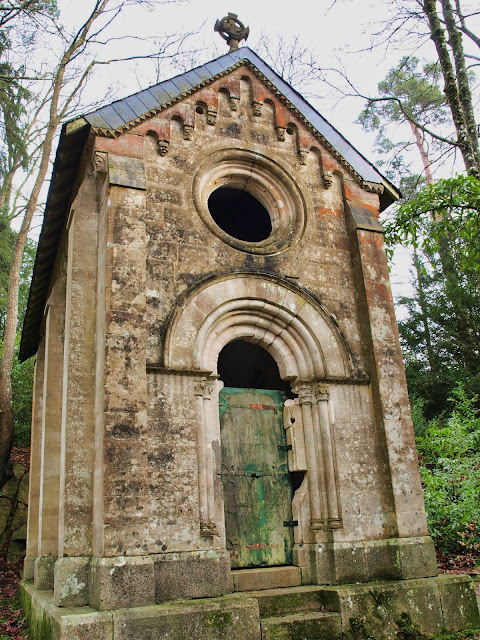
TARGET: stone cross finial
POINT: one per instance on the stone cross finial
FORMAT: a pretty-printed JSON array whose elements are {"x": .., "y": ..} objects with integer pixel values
[{"x": 232, "y": 30}]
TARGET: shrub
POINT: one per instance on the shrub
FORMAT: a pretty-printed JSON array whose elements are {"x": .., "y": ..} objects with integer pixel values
[{"x": 449, "y": 455}]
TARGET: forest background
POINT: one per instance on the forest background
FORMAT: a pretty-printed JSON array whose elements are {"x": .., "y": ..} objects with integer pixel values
[{"x": 399, "y": 79}]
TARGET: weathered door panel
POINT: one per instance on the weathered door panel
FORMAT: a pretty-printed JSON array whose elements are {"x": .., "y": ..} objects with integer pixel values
[{"x": 255, "y": 477}]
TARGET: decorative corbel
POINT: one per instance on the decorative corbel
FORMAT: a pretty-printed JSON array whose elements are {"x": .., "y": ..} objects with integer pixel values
[
  {"x": 100, "y": 164},
  {"x": 257, "y": 108},
  {"x": 327, "y": 179},
  {"x": 187, "y": 131},
  {"x": 234, "y": 102},
  {"x": 281, "y": 133},
  {"x": 211, "y": 116},
  {"x": 163, "y": 147},
  {"x": 302, "y": 155}
]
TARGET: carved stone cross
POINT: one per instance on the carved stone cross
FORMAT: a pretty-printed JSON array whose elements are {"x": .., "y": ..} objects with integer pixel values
[{"x": 232, "y": 30}]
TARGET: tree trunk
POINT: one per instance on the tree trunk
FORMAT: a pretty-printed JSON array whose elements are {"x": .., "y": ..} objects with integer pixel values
[
  {"x": 420, "y": 142},
  {"x": 56, "y": 113},
  {"x": 437, "y": 34},
  {"x": 465, "y": 95},
  {"x": 422, "y": 303},
  {"x": 11, "y": 315}
]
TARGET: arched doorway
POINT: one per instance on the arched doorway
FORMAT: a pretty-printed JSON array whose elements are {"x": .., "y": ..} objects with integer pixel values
[{"x": 257, "y": 485}]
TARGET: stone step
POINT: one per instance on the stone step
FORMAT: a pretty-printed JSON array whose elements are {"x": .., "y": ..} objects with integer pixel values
[
  {"x": 266, "y": 578},
  {"x": 277, "y": 602},
  {"x": 302, "y": 626}
]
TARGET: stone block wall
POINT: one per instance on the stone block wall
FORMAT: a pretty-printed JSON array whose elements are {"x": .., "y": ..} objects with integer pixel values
[{"x": 138, "y": 312}]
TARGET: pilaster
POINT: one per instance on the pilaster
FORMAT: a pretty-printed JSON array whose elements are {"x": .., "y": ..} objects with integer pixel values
[
  {"x": 384, "y": 360},
  {"x": 35, "y": 464}
]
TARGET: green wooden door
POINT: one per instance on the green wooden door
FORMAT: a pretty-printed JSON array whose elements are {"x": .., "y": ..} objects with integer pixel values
[{"x": 256, "y": 483}]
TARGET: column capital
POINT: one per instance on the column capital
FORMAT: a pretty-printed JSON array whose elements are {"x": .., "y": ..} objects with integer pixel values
[
  {"x": 321, "y": 392},
  {"x": 204, "y": 387},
  {"x": 200, "y": 385},
  {"x": 305, "y": 393}
]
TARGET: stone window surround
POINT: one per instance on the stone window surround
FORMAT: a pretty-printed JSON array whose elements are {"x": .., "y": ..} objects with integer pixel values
[{"x": 264, "y": 179}]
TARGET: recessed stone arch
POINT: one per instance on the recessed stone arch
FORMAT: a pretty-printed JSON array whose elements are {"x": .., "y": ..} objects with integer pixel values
[
  {"x": 287, "y": 322},
  {"x": 308, "y": 349}
]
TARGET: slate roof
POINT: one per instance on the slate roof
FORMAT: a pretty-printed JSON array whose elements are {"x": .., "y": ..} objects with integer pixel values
[{"x": 121, "y": 115}]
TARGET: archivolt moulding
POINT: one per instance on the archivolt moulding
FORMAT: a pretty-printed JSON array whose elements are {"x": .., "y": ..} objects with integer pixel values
[
  {"x": 287, "y": 322},
  {"x": 306, "y": 345}
]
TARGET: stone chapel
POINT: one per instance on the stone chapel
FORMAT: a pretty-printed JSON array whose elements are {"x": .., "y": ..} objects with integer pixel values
[{"x": 222, "y": 444}]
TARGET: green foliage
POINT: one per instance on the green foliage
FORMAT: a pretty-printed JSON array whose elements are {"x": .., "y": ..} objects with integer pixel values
[
  {"x": 449, "y": 453},
  {"x": 22, "y": 386},
  {"x": 447, "y": 210},
  {"x": 441, "y": 334},
  {"x": 7, "y": 242},
  {"x": 452, "y": 311},
  {"x": 407, "y": 92},
  {"x": 13, "y": 148},
  {"x": 7, "y": 238},
  {"x": 410, "y": 93}
]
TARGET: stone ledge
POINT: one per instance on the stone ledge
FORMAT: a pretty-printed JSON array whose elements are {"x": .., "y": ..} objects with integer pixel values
[
  {"x": 364, "y": 561},
  {"x": 429, "y": 605},
  {"x": 432, "y": 605},
  {"x": 194, "y": 574},
  {"x": 124, "y": 581},
  {"x": 208, "y": 619}
]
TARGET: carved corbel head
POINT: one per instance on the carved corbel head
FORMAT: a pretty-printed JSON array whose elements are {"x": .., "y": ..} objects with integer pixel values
[
  {"x": 234, "y": 102},
  {"x": 257, "y": 108},
  {"x": 327, "y": 179},
  {"x": 187, "y": 131},
  {"x": 302, "y": 155},
  {"x": 211, "y": 116},
  {"x": 163, "y": 147},
  {"x": 100, "y": 164}
]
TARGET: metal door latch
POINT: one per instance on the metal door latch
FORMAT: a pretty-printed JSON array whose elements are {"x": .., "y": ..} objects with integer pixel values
[
  {"x": 284, "y": 447},
  {"x": 290, "y": 523}
]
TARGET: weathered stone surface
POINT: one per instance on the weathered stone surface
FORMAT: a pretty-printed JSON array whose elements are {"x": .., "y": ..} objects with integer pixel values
[
  {"x": 198, "y": 574},
  {"x": 276, "y": 602},
  {"x": 267, "y": 578},
  {"x": 318, "y": 626},
  {"x": 71, "y": 582},
  {"x": 29, "y": 568},
  {"x": 209, "y": 620},
  {"x": 43, "y": 572},
  {"x": 119, "y": 582},
  {"x": 459, "y": 604},
  {"x": 48, "y": 622},
  {"x": 378, "y": 609}
]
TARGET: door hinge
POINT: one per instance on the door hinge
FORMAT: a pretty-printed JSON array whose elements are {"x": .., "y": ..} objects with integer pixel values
[
  {"x": 290, "y": 523},
  {"x": 284, "y": 447}
]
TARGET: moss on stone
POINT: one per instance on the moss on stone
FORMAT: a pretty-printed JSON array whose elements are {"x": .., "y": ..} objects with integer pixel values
[{"x": 219, "y": 619}]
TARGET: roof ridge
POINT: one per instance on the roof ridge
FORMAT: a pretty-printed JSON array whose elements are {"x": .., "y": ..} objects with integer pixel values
[{"x": 121, "y": 115}]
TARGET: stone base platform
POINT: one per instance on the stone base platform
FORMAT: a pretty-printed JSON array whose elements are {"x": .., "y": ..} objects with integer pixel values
[{"x": 383, "y": 611}]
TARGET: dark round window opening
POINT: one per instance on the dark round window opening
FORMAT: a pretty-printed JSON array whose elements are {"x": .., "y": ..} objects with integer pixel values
[{"x": 239, "y": 214}]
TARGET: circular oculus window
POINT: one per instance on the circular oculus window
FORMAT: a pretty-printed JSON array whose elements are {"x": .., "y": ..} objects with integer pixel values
[{"x": 249, "y": 201}]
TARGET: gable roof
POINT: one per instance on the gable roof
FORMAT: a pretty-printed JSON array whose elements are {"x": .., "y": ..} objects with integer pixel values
[{"x": 121, "y": 115}]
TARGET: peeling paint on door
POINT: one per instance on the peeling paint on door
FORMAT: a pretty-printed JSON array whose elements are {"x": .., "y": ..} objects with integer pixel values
[{"x": 256, "y": 480}]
